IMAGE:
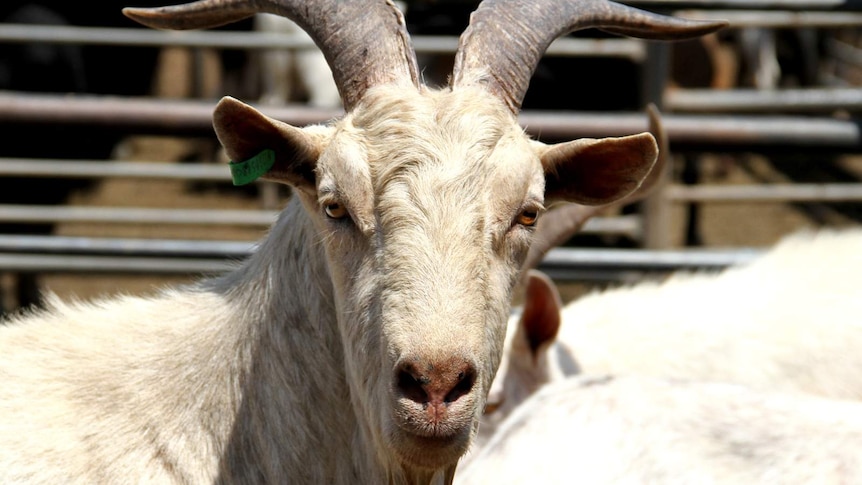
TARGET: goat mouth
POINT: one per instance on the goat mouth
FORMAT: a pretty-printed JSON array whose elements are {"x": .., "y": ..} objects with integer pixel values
[
  {"x": 435, "y": 441},
  {"x": 438, "y": 421},
  {"x": 431, "y": 451},
  {"x": 431, "y": 439},
  {"x": 434, "y": 433}
]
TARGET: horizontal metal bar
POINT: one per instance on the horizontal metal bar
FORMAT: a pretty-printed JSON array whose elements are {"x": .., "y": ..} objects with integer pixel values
[
  {"x": 46, "y": 263},
  {"x": 135, "y": 215},
  {"x": 776, "y": 20},
  {"x": 153, "y": 115},
  {"x": 719, "y": 131},
  {"x": 125, "y": 246},
  {"x": 55, "y": 34},
  {"x": 178, "y": 117},
  {"x": 23, "y": 167},
  {"x": 645, "y": 260},
  {"x": 750, "y": 4},
  {"x": 761, "y": 100},
  {"x": 135, "y": 37},
  {"x": 764, "y": 193}
]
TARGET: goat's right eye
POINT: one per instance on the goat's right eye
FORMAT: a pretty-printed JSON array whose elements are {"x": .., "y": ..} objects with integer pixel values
[
  {"x": 528, "y": 218},
  {"x": 335, "y": 210}
]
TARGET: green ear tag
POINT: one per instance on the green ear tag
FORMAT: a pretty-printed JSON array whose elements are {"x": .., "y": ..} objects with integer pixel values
[{"x": 248, "y": 171}]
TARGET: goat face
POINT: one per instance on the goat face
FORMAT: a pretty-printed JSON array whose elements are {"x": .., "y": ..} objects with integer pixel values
[
  {"x": 456, "y": 188},
  {"x": 425, "y": 202}
]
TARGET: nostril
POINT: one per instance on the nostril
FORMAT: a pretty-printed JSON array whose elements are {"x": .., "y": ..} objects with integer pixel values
[
  {"x": 411, "y": 386},
  {"x": 464, "y": 385},
  {"x": 437, "y": 383}
]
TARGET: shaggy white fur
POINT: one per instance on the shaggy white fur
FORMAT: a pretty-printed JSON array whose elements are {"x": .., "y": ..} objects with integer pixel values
[{"x": 636, "y": 429}]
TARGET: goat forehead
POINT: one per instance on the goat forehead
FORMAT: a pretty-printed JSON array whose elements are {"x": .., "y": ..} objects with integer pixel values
[
  {"x": 384, "y": 105},
  {"x": 442, "y": 150},
  {"x": 405, "y": 128}
]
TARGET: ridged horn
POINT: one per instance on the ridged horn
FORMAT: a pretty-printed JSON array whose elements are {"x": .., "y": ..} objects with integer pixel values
[
  {"x": 365, "y": 42},
  {"x": 506, "y": 38}
]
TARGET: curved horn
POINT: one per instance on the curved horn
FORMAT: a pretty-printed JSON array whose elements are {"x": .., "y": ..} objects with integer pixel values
[
  {"x": 505, "y": 39},
  {"x": 365, "y": 43}
]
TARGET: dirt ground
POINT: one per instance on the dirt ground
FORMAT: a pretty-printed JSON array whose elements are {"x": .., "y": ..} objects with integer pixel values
[{"x": 723, "y": 224}]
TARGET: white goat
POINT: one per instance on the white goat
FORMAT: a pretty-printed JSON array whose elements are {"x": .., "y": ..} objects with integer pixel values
[
  {"x": 635, "y": 430},
  {"x": 789, "y": 321},
  {"x": 359, "y": 342}
]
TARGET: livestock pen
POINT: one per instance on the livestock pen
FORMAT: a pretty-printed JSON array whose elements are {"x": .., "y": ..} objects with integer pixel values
[{"x": 151, "y": 219}]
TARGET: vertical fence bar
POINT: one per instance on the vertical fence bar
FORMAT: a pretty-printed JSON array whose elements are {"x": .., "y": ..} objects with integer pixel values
[{"x": 655, "y": 209}]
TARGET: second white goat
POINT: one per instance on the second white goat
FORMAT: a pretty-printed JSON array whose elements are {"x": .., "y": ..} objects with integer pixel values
[{"x": 791, "y": 321}]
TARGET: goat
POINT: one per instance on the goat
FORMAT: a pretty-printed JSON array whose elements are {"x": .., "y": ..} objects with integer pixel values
[
  {"x": 787, "y": 321},
  {"x": 635, "y": 429},
  {"x": 358, "y": 343}
]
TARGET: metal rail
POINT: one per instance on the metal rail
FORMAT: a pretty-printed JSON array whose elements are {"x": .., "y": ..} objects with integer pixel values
[
  {"x": 613, "y": 265},
  {"x": 707, "y": 132},
  {"x": 194, "y": 117},
  {"x": 765, "y": 193},
  {"x": 42, "y": 263},
  {"x": 135, "y": 215},
  {"x": 136, "y": 115},
  {"x": 132, "y": 37},
  {"x": 806, "y": 100},
  {"x": 92, "y": 246},
  {"x": 53, "y": 168},
  {"x": 646, "y": 260},
  {"x": 776, "y": 20},
  {"x": 750, "y": 4}
]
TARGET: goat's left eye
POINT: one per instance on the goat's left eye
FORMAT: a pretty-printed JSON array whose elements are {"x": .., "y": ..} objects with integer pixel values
[
  {"x": 335, "y": 210},
  {"x": 528, "y": 218}
]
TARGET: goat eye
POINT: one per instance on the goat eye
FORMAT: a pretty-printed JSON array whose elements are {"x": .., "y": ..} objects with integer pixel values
[
  {"x": 335, "y": 210},
  {"x": 528, "y": 218}
]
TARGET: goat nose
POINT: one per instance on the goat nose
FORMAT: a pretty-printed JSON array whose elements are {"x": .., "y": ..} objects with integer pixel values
[{"x": 435, "y": 383}]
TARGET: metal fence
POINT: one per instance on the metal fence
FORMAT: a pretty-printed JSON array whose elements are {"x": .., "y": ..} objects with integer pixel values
[{"x": 744, "y": 120}]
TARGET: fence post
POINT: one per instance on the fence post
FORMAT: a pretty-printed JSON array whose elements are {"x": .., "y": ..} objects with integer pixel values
[{"x": 655, "y": 209}]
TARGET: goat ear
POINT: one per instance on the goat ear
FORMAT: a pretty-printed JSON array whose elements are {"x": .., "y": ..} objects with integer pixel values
[
  {"x": 540, "y": 320},
  {"x": 597, "y": 171},
  {"x": 244, "y": 132}
]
